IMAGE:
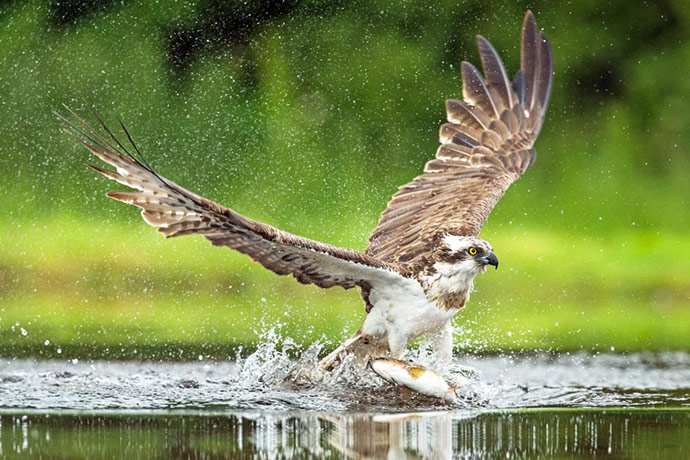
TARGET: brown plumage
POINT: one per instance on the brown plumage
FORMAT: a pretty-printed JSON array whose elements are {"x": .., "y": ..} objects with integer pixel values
[
  {"x": 486, "y": 146},
  {"x": 176, "y": 211},
  {"x": 422, "y": 258}
]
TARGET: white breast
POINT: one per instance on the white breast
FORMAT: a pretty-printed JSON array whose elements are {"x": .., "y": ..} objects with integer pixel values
[{"x": 404, "y": 309}]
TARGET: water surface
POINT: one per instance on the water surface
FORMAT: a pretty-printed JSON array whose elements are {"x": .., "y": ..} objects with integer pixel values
[
  {"x": 567, "y": 406},
  {"x": 264, "y": 382},
  {"x": 562, "y": 433}
]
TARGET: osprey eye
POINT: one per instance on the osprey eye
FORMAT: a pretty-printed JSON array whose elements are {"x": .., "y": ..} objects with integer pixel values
[{"x": 472, "y": 251}]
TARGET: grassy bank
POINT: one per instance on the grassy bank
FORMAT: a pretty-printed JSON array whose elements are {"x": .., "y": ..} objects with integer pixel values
[{"x": 73, "y": 288}]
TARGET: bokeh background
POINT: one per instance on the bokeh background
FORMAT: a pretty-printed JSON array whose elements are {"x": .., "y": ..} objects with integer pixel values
[{"x": 308, "y": 115}]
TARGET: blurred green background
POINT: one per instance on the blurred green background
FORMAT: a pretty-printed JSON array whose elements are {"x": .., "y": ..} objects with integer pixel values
[{"x": 308, "y": 115}]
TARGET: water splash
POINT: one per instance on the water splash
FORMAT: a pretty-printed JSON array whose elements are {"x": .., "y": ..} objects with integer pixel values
[
  {"x": 279, "y": 364},
  {"x": 279, "y": 377}
]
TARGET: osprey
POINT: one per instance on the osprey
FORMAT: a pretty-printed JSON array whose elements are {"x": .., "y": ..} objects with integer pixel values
[{"x": 423, "y": 256}]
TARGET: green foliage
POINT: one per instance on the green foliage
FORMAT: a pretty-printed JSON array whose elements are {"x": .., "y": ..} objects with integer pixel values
[{"x": 309, "y": 117}]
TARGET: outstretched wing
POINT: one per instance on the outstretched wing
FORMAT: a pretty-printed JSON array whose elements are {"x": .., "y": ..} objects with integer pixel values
[
  {"x": 176, "y": 211},
  {"x": 486, "y": 146}
]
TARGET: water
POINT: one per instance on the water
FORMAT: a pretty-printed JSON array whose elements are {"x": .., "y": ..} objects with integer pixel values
[
  {"x": 436, "y": 435},
  {"x": 655, "y": 380},
  {"x": 570, "y": 406}
]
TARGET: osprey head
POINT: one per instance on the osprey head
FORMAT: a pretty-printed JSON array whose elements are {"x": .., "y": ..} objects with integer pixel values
[
  {"x": 469, "y": 252},
  {"x": 457, "y": 261}
]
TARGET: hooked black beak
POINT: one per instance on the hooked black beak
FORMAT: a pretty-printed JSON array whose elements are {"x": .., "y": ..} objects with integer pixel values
[{"x": 491, "y": 259}]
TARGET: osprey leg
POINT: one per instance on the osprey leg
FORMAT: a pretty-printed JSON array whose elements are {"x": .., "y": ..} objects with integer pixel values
[
  {"x": 328, "y": 362},
  {"x": 442, "y": 343},
  {"x": 363, "y": 347}
]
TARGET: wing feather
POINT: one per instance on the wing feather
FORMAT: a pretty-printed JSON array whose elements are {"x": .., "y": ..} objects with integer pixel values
[
  {"x": 176, "y": 211},
  {"x": 461, "y": 113},
  {"x": 486, "y": 146},
  {"x": 474, "y": 91},
  {"x": 495, "y": 72},
  {"x": 530, "y": 59}
]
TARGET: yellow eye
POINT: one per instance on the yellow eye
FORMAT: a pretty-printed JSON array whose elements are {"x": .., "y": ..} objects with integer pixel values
[{"x": 472, "y": 251}]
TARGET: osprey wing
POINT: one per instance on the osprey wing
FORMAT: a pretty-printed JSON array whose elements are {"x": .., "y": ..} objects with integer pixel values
[
  {"x": 176, "y": 211},
  {"x": 486, "y": 146}
]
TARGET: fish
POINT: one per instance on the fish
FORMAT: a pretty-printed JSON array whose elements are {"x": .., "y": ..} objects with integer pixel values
[{"x": 415, "y": 377}]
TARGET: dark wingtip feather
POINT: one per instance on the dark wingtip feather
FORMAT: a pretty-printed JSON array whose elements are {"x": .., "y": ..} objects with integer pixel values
[
  {"x": 536, "y": 76},
  {"x": 519, "y": 86},
  {"x": 529, "y": 29},
  {"x": 96, "y": 140},
  {"x": 530, "y": 57},
  {"x": 112, "y": 175},
  {"x": 545, "y": 73},
  {"x": 98, "y": 169},
  {"x": 141, "y": 158},
  {"x": 474, "y": 89},
  {"x": 529, "y": 17},
  {"x": 494, "y": 70},
  {"x": 126, "y": 197},
  {"x": 112, "y": 135},
  {"x": 86, "y": 131}
]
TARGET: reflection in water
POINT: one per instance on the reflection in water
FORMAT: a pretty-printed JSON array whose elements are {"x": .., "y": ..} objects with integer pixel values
[
  {"x": 643, "y": 434},
  {"x": 398, "y": 436}
]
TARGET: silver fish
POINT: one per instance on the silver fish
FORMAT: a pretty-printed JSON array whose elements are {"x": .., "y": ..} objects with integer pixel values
[{"x": 417, "y": 378}]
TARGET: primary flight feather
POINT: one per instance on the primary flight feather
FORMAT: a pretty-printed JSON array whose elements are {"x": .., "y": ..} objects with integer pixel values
[{"x": 423, "y": 256}]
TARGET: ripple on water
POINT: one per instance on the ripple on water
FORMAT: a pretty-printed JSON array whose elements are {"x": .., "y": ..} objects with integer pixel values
[{"x": 270, "y": 380}]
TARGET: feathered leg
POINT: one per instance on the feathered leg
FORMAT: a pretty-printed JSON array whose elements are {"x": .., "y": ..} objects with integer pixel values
[
  {"x": 442, "y": 343},
  {"x": 397, "y": 344},
  {"x": 363, "y": 347},
  {"x": 328, "y": 362}
]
